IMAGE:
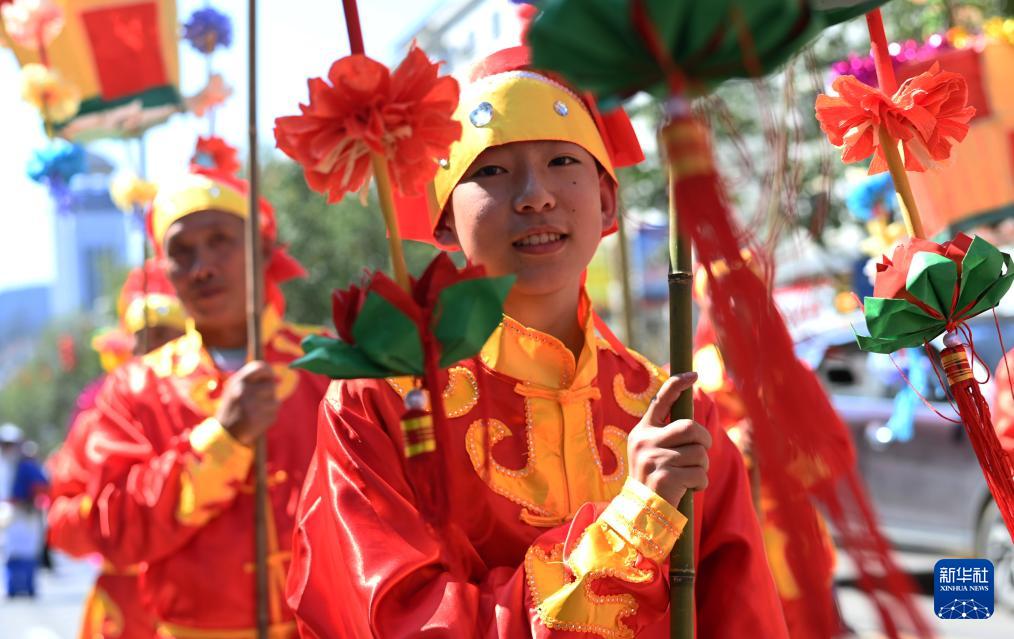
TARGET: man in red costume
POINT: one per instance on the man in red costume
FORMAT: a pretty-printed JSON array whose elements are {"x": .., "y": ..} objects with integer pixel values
[
  {"x": 169, "y": 451},
  {"x": 150, "y": 316},
  {"x": 563, "y": 467}
]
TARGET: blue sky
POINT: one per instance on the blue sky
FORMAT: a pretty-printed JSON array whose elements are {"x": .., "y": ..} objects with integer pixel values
[{"x": 295, "y": 43}]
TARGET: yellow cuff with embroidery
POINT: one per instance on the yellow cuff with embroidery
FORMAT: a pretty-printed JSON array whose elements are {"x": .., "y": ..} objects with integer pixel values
[
  {"x": 646, "y": 521},
  {"x": 210, "y": 479},
  {"x": 637, "y": 523}
]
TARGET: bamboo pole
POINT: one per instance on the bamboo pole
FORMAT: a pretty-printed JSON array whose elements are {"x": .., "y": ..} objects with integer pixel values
[
  {"x": 255, "y": 349},
  {"x": 386, "y": 197},
  {"x": 681, "y": 562}
]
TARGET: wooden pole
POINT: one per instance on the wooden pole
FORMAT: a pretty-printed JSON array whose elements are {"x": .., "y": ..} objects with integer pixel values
[
  {"x": 142, "y": 170},
  {"x": 385, "y": 194},
  {"x": 628, "y": 297},
  {"x": 889, "y": 84},
  {"x": 255, "y": 349},
  {"x": 682, "y": 617},
  {"x": 386, "y": 197}
]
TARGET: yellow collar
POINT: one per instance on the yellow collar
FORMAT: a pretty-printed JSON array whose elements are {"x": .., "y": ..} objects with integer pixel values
[
  {"x": 271, "y": 322},
  {"x": 534, "y": 357}
]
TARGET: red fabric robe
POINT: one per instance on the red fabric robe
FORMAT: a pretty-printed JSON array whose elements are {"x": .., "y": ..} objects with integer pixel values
[
  {"x": 548, "y": 538},
  {"x": 113, "y": 609},
  {"x": 167, "y": 486}
]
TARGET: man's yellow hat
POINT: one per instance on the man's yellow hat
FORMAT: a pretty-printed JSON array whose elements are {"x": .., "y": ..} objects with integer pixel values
[
  {"x": 189, "y": 194},
  {"x": 216, "y": 189},
  {"x": 506, "y": 101}
]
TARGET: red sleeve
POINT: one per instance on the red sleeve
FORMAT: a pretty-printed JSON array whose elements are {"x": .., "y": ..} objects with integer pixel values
[
  {"x": 365, "y": 564},
  {"x": 736, "y": 595},
  {"x": 152, "y": 484},
  {"x": 69, "y": 504}
]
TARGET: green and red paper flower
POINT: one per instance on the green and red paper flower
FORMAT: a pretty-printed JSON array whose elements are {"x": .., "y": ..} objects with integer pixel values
[
  {"x": 385, "y": 331},
  {"x": 926, "y": 289}
]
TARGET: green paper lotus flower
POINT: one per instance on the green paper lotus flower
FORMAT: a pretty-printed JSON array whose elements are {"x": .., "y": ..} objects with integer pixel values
[{"x": 926, "y": 289}]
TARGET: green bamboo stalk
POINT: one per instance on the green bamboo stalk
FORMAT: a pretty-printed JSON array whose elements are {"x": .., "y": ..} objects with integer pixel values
[{"x": 681, "y": 562}]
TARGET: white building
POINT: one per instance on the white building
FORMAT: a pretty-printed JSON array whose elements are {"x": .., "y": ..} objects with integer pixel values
[
  {"x": 459, "y": 32},
  {"x": 95, "y": 242}
]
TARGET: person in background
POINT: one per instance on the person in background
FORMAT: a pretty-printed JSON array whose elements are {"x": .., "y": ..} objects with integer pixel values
[
  {"x": 150, "y": 316},
  {"x": 170, "y": 445},
  {"x": 23, "y": 484},
  {"x": 1003, "y": 403}
]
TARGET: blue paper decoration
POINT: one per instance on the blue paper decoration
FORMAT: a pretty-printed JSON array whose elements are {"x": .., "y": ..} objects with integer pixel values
[
  {"x": 207, "y": 29},
  {"x": 54, "y": 166}
]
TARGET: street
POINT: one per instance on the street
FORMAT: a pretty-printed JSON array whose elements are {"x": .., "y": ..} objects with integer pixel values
[
  {"x": 56, "y": 613},
  {"x": 864, "y": 620}
]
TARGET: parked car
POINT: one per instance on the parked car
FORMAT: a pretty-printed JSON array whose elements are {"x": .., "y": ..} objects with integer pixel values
[{"x": 926, "y": 485}]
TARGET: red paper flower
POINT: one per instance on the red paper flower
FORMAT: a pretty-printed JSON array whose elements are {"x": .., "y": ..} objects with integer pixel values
[
  {"x": 213, "y": 152},
  {"x": 345, "y": 307},
  {"x": 405, "y": 116},
  {"x": 927, "y": 114},
  {"x": 418, "y": 304}
]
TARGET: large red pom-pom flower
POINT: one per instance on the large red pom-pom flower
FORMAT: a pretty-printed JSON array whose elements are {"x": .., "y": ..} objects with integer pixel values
[
  {"x": 213, "y": 152},
  {"x": 404, "y": 115},
  {"x": 927, "y": 114}
]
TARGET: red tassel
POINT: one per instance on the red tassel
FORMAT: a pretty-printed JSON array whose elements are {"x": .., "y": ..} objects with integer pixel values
[
  {"x": 996, "y": 464},
  {"x": 803, "y": 448}
]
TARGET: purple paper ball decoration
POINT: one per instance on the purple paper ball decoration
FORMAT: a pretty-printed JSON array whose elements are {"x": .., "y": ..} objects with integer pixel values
[{"x": 207, "y": 29}]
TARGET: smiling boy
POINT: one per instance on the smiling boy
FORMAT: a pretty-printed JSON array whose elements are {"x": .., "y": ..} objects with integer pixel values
[{"x": 562, "y": 465}]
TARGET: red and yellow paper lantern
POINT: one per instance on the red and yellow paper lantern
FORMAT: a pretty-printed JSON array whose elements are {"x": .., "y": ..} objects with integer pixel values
[{"x": 121, "y": 55}]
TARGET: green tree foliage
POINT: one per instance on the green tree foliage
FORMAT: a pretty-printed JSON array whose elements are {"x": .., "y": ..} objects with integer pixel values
[
  {"x": 335, "y": 243},
  {"x": 41, "y": 397}
]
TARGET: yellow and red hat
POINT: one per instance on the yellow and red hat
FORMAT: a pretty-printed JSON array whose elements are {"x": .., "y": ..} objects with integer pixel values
[
  {"x": 149, "y": 299},
  {"x": 215, "y": 188},
  {"x": 146, "y": 299},
  {"x": 506, "y": 101}
]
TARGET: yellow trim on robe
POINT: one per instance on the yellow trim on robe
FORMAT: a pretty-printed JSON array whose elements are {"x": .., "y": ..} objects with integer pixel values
[
  {"x": 102, "y": 617},
  {"x": 646, "y": 521},
  {"x": 558, "y": 393},
  {"x": 184, "y": 355},
  {"x": 212, "y": 479},
  {"x": 636, "y": 524}
]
